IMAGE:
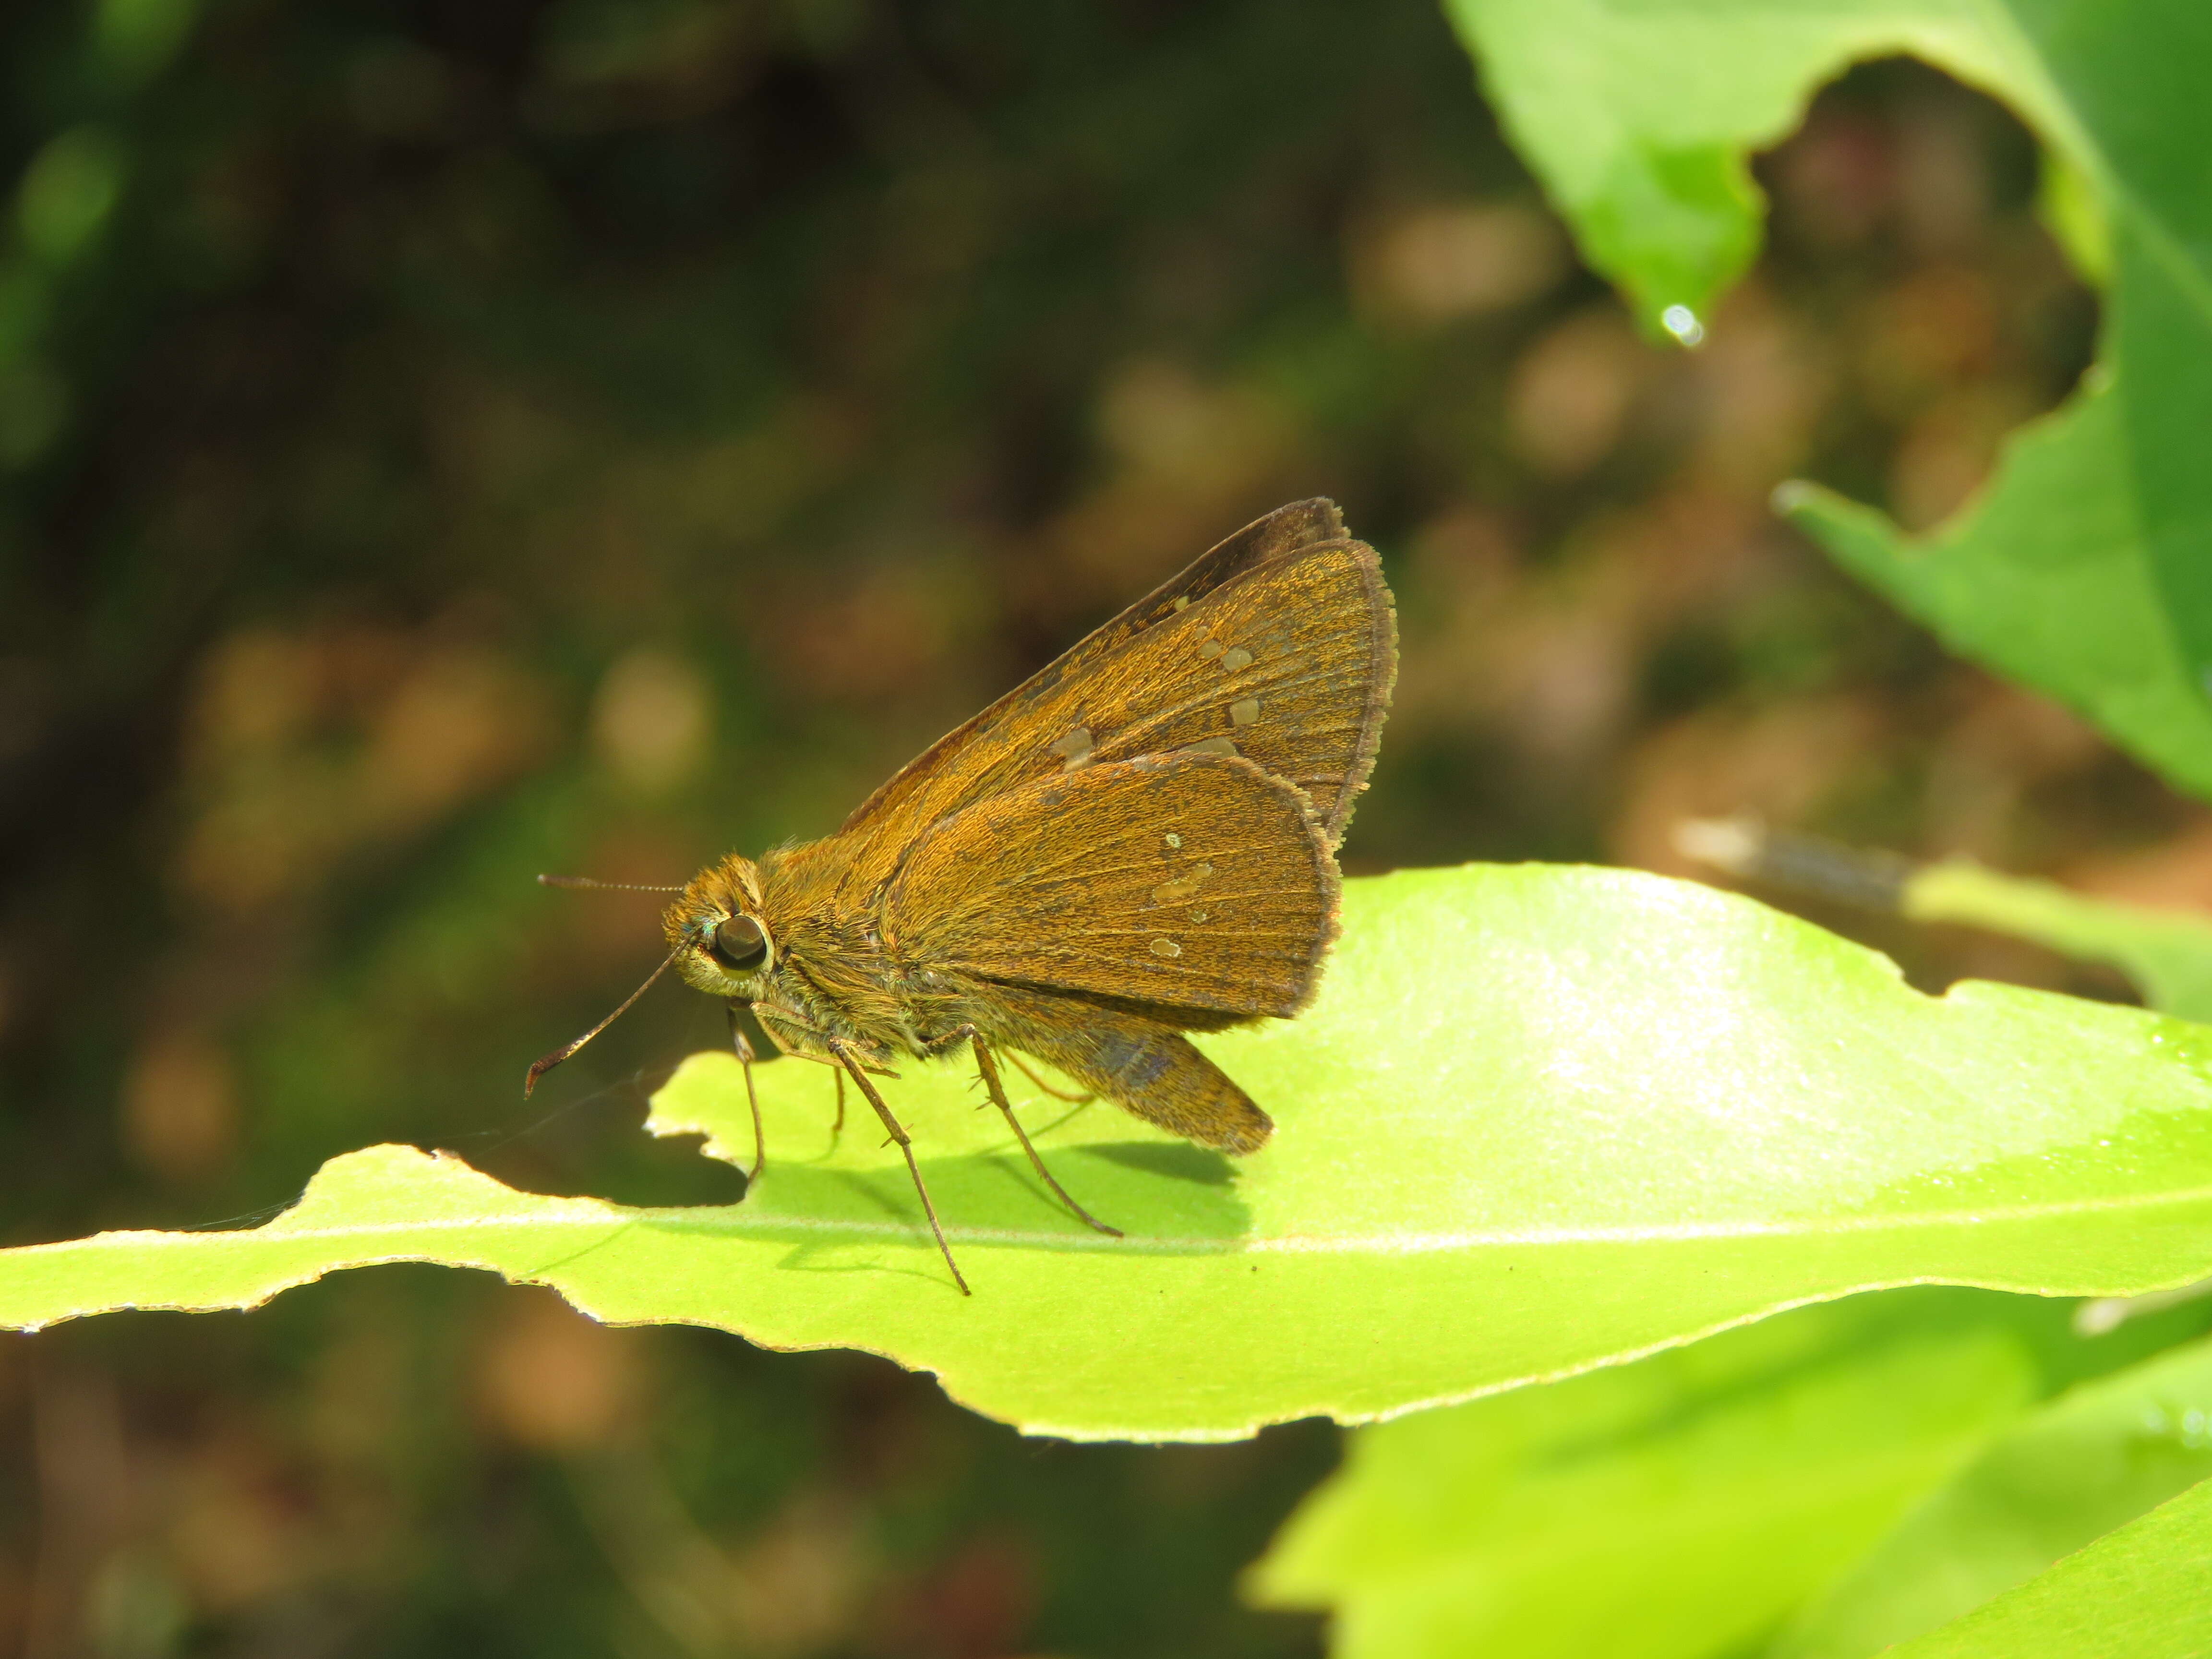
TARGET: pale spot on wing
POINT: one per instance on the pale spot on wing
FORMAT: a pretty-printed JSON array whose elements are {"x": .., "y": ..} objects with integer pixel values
[
  {"x": 1209, "y": 747},
  {"x": 1174, "y": 892},
  {"x": 1210, "y": 648},
  {"x": 1166, "y": 947},
  {"x": 1235, "y": 658},
  {"x": 1074, "y": 748},
  {"x": 1244, "y": 710},
  {"x": 1173, "y": 838},
  {"x": 1198, "y": 915},
  {"x": 1182, "y": 602}
]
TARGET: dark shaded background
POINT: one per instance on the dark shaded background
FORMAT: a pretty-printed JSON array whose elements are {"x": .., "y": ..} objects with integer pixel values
[{"x": 444, "y": 443}]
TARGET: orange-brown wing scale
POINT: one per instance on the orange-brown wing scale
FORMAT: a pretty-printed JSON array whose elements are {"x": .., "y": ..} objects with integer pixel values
[
  {"x": 1191, "y": 881},
  {"x": 1279, "y": 646},
  {"x": 1289, "y": 665}
]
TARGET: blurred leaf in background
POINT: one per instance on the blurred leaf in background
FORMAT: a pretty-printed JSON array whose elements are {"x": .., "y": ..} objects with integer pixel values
[
  {"x": 1827, "y": 1483},
  {"x": 2084, "y": 1465},
  {"x": 2084, "y": 572},
  {"x": 1678, "y": 1507}
]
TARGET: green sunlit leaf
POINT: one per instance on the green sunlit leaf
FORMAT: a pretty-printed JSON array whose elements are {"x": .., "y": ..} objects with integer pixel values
[
  {"x": 2134, "y": 1594},
  {"x": 2081, "y": 1467},
  {"x": 1541, "y": 1118},
  {"x": 1672, "y": 1508}
]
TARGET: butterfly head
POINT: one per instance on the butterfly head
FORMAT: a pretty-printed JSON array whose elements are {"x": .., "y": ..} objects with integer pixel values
[{"x": 722, "y": 944}]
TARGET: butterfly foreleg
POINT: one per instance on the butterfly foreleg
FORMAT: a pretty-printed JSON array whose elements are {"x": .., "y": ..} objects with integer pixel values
[
  {"x": 988, "y": 1064},
  {"x": 744, "y": 1052},
  {"x": 848, "y": 1056}
]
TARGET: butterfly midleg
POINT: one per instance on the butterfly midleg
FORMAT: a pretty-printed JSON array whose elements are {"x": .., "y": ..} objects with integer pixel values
[
  {"x": 851, "y": 1062},
  {"x": 752, "y": 1097},
  {"x": 987, "y": 1064}
]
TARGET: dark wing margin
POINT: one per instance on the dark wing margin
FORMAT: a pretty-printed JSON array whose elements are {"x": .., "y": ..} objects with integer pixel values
[
  {"x": 1382, "y": 680},
  {"x": 1301, "y": 524},
  {"x": 1189, "y": 881}
]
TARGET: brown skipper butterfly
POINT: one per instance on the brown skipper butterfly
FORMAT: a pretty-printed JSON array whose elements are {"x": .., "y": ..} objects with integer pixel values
[{"x": 1137, "y": 841}]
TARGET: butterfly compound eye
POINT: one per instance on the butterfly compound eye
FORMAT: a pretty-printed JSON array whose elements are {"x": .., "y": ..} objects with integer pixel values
[{"x": 740, "y": 942}]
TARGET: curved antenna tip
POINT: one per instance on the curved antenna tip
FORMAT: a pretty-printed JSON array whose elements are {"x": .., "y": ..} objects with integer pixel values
[{"x": 539, "y": 1067}]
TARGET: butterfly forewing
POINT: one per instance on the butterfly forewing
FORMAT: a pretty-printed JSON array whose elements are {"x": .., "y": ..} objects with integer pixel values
[
  {"x": 1181, "y": 881},
  {"x": 1285, "y": 658},
  {"x": 950, "y": 769}
]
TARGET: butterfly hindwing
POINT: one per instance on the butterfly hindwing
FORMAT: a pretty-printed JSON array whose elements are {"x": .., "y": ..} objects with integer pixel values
[{"x": 1190, "y": 881}]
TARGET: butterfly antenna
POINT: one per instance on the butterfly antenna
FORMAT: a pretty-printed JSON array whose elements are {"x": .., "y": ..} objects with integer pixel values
[
  {"x": 605, "y": 886},
  {"x": 539, "y": 1068}
]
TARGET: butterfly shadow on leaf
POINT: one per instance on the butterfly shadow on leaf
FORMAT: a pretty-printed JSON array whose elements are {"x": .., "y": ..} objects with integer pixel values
[
  {"x": 1157, "y": 1192},
  {"x": 1149, "y": 1189}
]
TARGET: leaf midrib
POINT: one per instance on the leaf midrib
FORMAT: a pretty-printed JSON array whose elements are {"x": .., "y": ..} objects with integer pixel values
[{"x": 730, "y": 1220}]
